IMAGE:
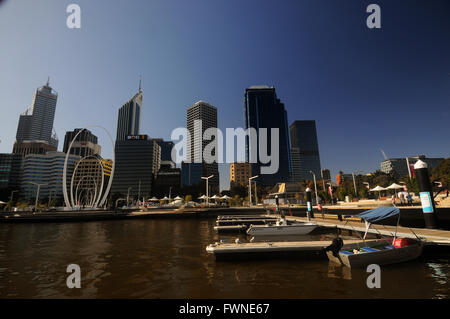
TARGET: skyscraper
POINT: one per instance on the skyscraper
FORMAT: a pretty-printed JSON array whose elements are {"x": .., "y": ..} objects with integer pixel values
[
  {"x": 206, "y": 114},
  {"x": 84, "y": 145},
  {"x": 262, "y": 109},
  {"x": 36, "y": 123},
  {"x": 138, "y": 160},
  {"x": 166, "y": 153},
  {"x": 129, "y": 119},
  {"x": 305, "y": 146}
]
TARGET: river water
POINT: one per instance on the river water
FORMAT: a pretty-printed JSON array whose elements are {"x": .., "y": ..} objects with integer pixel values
[{"x": 167, "y": 259}]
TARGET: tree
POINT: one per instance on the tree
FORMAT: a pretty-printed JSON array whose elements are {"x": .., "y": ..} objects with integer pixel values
[
  {"x": 236, "y": 200},
  {"x": 441, "y": 173},
  {"x": 188, "y": 198},
  {"x": 412, "y": 185},
  {"x": 325, "y": 196},
  {"x": 240, "y": 190},
  {"x": 363, "y": 192}
]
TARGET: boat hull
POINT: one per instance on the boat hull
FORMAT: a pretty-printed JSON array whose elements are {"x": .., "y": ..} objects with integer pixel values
[
  {"x": 271, "y": 230},
  {"x": 380, "y": 257}
]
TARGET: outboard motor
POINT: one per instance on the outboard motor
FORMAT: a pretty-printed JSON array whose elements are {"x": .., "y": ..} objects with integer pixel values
[{"x": 335, "y": 246}]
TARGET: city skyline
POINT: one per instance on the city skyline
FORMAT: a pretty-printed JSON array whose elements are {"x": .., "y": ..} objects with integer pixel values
[{"x": 361, "y": 99}]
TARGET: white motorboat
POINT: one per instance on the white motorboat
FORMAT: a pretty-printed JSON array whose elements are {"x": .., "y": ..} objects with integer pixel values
[{"x": 281, "y": 228}]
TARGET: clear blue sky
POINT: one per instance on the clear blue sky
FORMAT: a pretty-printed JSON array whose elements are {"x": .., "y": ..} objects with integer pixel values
[{"x": 367, "y": 89}]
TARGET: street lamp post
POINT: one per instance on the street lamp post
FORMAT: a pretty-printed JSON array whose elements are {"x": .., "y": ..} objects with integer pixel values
[
  {"x": 256, "y": 194},
  {"x": 128, "y": 195},
  {"x": 50, "y": 198},
  {"x": 250, "y": 189},
  {"x": 207, "y": 189},
  {"x": 12, "y": 194},
  {"x": 315, "y": 186},
  {"x": 37, "y": 193},
  {"x": 354, "y": 182},
  {"x": 139, "y": 192},
  {"x": 323, "y": 180}
]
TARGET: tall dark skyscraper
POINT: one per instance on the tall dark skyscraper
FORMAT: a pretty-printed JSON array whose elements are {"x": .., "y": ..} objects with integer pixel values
[
  {"x": 36, "y": 123},
  {"x": 305, "y": 150},
  {"x": 129, "y": 119},
  {"x": 262, "y": 109},
  {"x": 166, "y": 152},
  {"x": 137, "y": 163},
  {"x": 207, "y": 114}
]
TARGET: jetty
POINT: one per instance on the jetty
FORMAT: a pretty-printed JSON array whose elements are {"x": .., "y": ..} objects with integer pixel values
[
  {"x": 257, "y": 250},
  {"x": 429, "y": 236}
]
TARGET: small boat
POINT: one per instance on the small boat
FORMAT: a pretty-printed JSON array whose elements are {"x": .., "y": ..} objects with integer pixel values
[
  {"x": 380, "y": 252},
  {"x": 281, "y": 228}
]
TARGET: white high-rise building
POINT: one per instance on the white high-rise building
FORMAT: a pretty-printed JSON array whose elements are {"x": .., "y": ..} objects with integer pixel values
[
  {"x": 36, "y": 123},
  {"x": 129, "y": 119},
  {"x": 206, "y": 114}
]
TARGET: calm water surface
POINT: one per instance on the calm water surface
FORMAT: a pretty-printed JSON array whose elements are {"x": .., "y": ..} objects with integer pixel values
[{"x": 167, "y": 259}]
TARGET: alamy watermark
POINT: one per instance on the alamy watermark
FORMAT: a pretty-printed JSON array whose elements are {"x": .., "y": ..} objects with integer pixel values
[
  {"x": 73, "y": 21},
  {"x": 190, "y": 146},
  {"x": 374, "y": 279},
  {"x": 74, "y": 279}
]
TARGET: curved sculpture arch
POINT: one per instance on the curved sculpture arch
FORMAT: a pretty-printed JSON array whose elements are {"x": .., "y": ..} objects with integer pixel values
[
  {"x": 78, "y": 185},
  {"x": 73, "y": 178},
  {"x": 105, "y": 195}
]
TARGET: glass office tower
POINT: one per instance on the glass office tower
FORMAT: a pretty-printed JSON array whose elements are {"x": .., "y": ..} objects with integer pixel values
[
  {"x": 262, "y": 109},
  {"x": 305, "y": 146}
]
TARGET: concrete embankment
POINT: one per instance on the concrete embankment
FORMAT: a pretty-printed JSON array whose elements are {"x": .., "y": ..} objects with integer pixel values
[{"x": 95, "y": 215}]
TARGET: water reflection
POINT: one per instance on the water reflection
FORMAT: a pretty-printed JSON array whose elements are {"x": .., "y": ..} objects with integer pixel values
[{"x": 339, "y": 271}]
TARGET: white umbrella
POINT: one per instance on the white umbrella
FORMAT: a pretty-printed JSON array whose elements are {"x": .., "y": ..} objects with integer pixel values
[
  {"x": 394, "y": 187},
  {"x": 215, "y": 197},
  {"x": 202, "y": 197},
  {"x": 2, "y": 203},
  {"x": 225, "y": 197},
  {"x": 378, "y": 189},
  {"x": 165, "y": 198},
  {"x": 178, "y": 198},
  {"x": 153, "y": 199}
]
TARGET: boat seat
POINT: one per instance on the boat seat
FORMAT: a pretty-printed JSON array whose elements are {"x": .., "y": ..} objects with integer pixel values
[
  {"x": 389, "y": 247},
  {"x": 369, "y": 249},
  {"x": 345, "y": 252}
]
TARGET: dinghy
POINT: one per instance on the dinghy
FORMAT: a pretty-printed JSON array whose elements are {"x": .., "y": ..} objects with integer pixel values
[
  {"x": 281, "y": 228},
  {"x": 380, "y": 252}
]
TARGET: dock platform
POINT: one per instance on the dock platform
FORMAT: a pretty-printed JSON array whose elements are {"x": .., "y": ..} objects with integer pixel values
[
  {"x": 292, "y": 249},
  {"x": 231, "y": 228},
  {"x": 430, "y": 236}
]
